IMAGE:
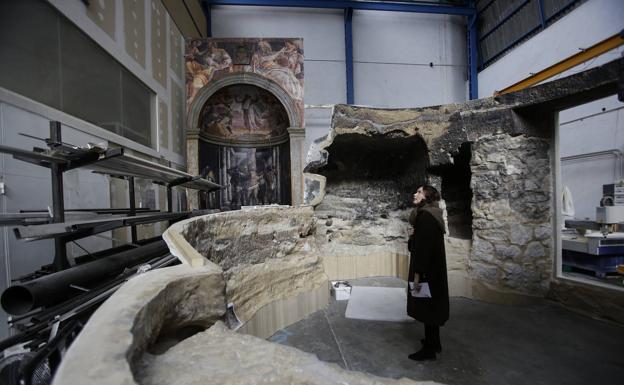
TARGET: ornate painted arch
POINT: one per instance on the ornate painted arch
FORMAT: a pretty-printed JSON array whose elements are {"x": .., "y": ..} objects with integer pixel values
[{"x": 294, "y": 115}]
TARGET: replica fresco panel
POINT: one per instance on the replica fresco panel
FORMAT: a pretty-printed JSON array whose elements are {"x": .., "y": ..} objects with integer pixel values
[
  {"x": 250, "y": 175},
  {"x": 280, "y": 60},
  {"x": 243, "y": 113}
]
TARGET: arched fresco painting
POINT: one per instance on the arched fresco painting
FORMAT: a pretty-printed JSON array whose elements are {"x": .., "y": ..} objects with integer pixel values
[
  {"x": 243, "y": 114},
  {"x": 244, "y": 96},
  {"x": 245, "y": 147},
  {"x": 277, "y": 59}
]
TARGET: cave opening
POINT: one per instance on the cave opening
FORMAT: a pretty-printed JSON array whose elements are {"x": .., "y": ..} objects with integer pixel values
[
  {"x": 456, "y": 192},
  {"x": 382, "y": 172}
]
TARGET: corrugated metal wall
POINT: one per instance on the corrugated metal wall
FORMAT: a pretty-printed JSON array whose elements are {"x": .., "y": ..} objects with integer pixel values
[{"x": 506, "y": 23}]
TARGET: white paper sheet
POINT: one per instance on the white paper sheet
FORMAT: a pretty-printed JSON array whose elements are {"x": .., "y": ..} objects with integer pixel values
[{"x": 424, "y": 291}]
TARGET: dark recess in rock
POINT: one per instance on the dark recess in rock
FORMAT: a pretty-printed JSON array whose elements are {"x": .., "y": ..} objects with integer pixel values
[
  {"x": 456, "y": 192},
  {"x": 382, "y": 171}
]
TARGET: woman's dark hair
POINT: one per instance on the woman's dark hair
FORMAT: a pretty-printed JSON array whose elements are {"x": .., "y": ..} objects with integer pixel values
[{"x": 431, "y": 193}]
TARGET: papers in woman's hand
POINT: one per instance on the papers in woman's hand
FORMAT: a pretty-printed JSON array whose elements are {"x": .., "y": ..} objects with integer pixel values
[{"x": 422, "y": 292}]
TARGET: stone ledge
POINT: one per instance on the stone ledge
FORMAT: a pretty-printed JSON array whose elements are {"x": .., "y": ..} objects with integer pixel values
[
  {"x": 220, "y": 356},
  {"x": 120, "y": 331}
]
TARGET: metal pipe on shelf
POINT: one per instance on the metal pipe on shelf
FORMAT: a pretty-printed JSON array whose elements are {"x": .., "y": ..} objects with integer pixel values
[
  {"x": 43, "y": 319},
  {"x": 55, "y": 288}
]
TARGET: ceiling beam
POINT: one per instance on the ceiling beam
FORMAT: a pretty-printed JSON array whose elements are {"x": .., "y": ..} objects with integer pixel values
[{"x": 359, "y": 5}]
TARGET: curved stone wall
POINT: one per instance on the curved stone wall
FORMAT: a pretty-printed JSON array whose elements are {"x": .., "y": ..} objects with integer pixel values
[{"x": 275, "y": 286}]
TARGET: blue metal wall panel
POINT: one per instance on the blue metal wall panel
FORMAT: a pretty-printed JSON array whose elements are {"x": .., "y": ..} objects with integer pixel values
[{"x": 348, "y": 22}]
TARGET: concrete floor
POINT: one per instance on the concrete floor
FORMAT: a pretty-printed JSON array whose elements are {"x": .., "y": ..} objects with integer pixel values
[{"x": 482, "y": 344}]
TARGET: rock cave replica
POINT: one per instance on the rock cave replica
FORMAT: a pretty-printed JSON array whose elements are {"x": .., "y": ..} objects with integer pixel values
[{"x": 493, "y": 160}]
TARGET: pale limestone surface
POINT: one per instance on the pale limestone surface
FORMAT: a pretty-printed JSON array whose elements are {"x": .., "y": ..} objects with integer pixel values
[
  {"x": 120, "y": 331},
  {"x": 180, "y": 248},
  {"x": 220, "y": 356},
  {"x": 250, "y": 287}
]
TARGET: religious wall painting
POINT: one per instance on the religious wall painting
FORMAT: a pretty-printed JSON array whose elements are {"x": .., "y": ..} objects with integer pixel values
[
  {"x": 250, "y": 175},
  {"x": 242, "y": 54},
  {"x": 280, "y": 60},
  {"x": 253, "y": 177},
  {"x": 243, "y": 113},
  {"x": 204, "y": 59}
]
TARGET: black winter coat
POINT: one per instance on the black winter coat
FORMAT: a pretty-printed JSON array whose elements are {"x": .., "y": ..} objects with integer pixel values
[{"x": 428, "y": 259}]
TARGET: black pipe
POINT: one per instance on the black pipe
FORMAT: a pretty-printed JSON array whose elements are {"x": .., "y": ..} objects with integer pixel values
[{"x": 54, "y": 288}]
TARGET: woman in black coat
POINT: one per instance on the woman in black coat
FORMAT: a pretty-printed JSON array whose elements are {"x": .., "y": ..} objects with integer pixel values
[{"x": 428, "y": 265}]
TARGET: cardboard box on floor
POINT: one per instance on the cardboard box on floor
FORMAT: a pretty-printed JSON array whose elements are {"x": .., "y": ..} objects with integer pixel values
[{"x": 340, "y": 290}]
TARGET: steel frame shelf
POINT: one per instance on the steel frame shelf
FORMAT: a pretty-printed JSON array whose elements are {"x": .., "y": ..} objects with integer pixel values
[
  {"x": 59, "y": 158},
  {"x": 80, "y": 229}
]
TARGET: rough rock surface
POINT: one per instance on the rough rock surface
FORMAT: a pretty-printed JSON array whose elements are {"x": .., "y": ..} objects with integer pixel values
[
  {"x": 511, "y": 213},
  {"x": 220, "y": 356},
  {"x": 349, "y": 222},
  {"x": 248, "y": 237}
]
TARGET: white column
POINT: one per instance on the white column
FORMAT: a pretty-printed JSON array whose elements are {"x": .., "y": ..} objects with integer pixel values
[{"x": 297, "y": 143}]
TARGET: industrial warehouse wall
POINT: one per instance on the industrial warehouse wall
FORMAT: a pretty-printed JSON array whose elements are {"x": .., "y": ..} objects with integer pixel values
[
  {"x": 392, "y": 52},
  {"x": 593, "y": 127},
  {"x": 142, "y": 37}
]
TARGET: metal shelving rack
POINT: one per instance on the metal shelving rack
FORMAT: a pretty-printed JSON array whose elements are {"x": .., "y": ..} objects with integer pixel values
[{"x": 60, "y": 158}]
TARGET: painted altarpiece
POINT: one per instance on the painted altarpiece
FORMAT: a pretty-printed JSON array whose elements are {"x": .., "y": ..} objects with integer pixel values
[{"x": 245, "y": 119}]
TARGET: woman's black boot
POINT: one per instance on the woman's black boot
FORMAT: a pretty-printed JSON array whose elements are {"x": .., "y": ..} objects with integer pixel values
[{"x": 424, "y": 354}]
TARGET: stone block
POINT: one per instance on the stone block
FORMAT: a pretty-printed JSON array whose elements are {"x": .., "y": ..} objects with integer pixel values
[
  {"x": 535, "y": 250},
  {"x": 484, "y": 272},
  {"x": 482, "y": 250},
  {"x": 543, "y": 232},
  {"x": 508, "y": 251},
  {"x": 520, "y": 234},
  {"x": 512, "y": 269},
  {"x": 494, "y": 235},
  {"x": 314, "y": 189}
]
